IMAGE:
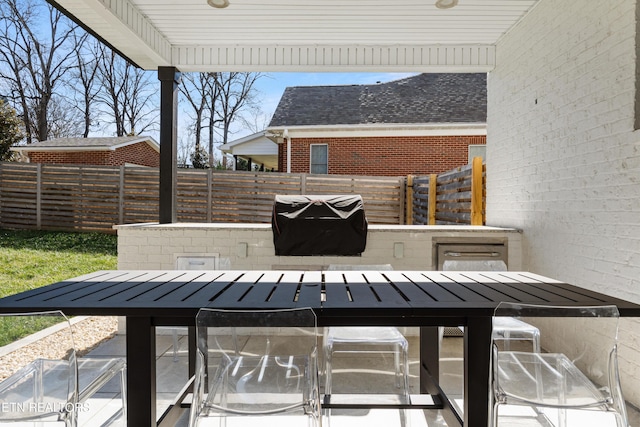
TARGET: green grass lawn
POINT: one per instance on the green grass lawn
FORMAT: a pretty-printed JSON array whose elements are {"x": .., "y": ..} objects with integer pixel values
[{"x": 31, "y": 259}]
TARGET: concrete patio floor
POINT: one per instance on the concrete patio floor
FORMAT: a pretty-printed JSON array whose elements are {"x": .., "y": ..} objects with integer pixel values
[{"x": 352, "y": 374}]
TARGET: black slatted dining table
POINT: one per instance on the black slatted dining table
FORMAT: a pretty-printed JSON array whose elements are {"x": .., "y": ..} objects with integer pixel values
[{"x": 425, "y": 299}]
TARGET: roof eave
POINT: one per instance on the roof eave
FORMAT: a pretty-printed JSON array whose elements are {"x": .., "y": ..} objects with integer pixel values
[
  {"x": 148, "y": 140},
  {"x": 386, "y": 129},
  {"x": 24, "y": 149},
  {"x": 80, "y": 148}
]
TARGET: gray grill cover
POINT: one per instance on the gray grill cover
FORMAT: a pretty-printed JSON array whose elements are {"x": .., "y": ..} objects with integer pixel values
[{"x": 319, "y": 225}]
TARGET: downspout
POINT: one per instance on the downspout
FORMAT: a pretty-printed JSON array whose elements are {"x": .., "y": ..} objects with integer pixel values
[{"x": 285, "y": 135}]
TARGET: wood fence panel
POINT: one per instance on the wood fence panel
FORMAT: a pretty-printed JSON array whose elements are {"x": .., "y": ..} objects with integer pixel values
[
  {"x": 18, "y": 195},
  {"x": 141, "y": 195},
  {"x": 94, "y": 198},
  {"x": 192, "y": 194},
  {"x": 248, "y": 197},
  {"x": 383, "y": 197},
  {"x": 421, "y": 188},
  {"x": 79, "y": 197},
  {"x": 453, "y": 198}
]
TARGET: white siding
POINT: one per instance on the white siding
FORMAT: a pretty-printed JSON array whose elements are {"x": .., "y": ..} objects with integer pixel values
[{"x": 563, "y": 158}]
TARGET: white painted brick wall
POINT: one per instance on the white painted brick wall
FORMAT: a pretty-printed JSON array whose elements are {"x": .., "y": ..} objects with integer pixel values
[{"x": 563, "y": 160}]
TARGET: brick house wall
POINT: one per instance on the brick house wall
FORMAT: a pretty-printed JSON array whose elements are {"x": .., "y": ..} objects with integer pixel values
[
  {"x": 140, "y": 154},
  {"x": 382, "y": 156}
]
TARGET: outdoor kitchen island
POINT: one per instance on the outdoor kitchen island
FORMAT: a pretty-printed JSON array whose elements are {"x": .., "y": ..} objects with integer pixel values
[{"x": 225, "y": 246}]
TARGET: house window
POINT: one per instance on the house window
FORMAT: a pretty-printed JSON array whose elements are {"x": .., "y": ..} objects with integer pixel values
[
  {"x": 319, "y": 158},
  {"x": 477, "y": 150}
]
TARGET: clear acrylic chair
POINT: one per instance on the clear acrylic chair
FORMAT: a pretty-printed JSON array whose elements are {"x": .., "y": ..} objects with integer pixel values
[
  {"x": 54, "y": 384},
  {"x": 575, "y": 383},
  {"x": 94, "y": 373},
  {"x": 377, "y": 340},
  {"x": 254, "y": 364},
  {"x": 509, "y": 329},
  {"x": 368, "y": 340}
]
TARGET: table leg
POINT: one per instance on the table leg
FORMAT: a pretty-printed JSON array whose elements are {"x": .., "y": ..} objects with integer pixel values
[
  {"x": 193, "y": 348},
  {"x": 430, "y": 372},
  {"x": 141, "y": 372},
  {"x": 429, "y": 359},
  {"x": 477, "y": 345}
]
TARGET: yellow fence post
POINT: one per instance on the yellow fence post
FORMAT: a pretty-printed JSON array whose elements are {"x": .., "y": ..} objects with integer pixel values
[
  {"x": 476, "y": 191},
  {"x": 409, "y": 212},
  {"x": 433, "y": 193}
]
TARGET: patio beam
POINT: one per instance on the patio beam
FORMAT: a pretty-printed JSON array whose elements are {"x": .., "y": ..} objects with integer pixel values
[
  {"x": 169, "y": 80},
  {"x": 355, "y": 57}
]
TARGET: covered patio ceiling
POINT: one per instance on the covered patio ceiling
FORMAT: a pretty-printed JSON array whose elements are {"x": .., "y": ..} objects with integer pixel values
[{"x": 302, "y": 35}]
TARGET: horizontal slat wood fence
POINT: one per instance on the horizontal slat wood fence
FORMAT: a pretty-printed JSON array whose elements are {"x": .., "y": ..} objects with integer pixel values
[
  {"x": 94, "y": 198},
  {"x": 454, "y": 197}
]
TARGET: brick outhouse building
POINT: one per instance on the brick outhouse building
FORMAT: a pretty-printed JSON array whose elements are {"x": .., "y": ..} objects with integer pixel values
[{"x": 103, "y": 151}]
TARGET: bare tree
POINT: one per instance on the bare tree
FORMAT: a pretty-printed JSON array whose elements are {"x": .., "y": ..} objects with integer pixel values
[
  {"x": 84, "y": 77},
  {"x": 236, "y": 91},
  {"x": 141, "y": 102},
  {"x": 231, "y": 93},
  {"x": 185, "y": 148},
  {"x": 35, "y": 58},
  {"x": 216, "y": 101},
  {"x": 64, "y": 119},
  {"x": 214, "y": 90},
  {"x": 111, "y": 91},
  {"x": 128, "y": 93},
  {"x": 254, "y": 119},
  {"x": 196, "y": 88}
]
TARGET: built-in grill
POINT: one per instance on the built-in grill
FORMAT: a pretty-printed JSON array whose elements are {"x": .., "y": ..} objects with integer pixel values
[{"x": 319, "y": 225}]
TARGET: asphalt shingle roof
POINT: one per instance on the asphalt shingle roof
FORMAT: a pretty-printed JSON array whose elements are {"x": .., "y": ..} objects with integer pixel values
[{"x": 424, "y": 98}]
